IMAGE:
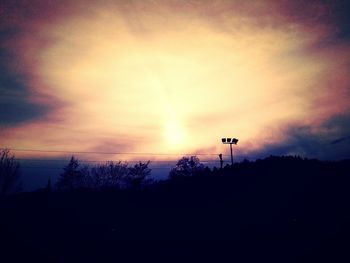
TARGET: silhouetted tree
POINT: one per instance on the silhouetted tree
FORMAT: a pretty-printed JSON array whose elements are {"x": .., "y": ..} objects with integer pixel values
[
  {"x": 186, "y": 166},
  {"x": 138, "y": 174},
  {"x": 109, "y": 175},
  {"x": 9, "y": 172},
  {"x": 73, "y": 176}
]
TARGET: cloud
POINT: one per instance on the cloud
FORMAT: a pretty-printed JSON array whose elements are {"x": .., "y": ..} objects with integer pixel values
[
  {"x": 15, "y": 95},
  {"x": 340, "y": 140},
  {"x": 321, "y": 143},
  {"x": 273, "y": 74}
]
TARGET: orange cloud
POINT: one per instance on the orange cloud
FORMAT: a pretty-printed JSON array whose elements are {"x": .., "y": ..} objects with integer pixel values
[{"x": 160, "y": 76}]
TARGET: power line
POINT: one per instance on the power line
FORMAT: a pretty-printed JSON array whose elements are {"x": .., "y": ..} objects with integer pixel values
[
  {"x": 102, "y": 161},
  {"x": 55, "y": 160},
  {"x": 114, "y": 153},
  {"x": 164, "y": 164},
  {"x": 61, "y": 168}
]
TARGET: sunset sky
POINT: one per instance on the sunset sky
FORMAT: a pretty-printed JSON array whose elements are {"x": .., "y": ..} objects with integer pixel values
[{"x": 174, "y": 77}]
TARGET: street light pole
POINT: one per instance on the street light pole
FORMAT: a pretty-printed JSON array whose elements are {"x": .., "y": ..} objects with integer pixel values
[{"x": 230, "y": 141}]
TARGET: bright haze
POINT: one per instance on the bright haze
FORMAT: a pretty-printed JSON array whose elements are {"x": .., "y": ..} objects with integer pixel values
[{"x": 176, "y": 76}]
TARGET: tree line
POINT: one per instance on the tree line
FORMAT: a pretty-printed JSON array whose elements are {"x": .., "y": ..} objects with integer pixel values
[
  {"x": 119, "y": 175},
  {"x": 108, "y": 175},
  {"x": 112, "y": 175}
]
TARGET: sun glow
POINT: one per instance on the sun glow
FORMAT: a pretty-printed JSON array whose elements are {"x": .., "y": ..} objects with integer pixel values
[
  {"x": 155, "y": 82},
  {"x": 175, "y": 134},
  {"x": 122, "y": 83}
]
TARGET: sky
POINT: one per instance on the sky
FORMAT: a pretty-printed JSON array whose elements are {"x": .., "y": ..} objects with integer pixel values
[{"x": 174, "y": 77}]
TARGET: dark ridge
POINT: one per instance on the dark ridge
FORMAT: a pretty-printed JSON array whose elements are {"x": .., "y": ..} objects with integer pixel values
[{"x": 288, "y": 208}]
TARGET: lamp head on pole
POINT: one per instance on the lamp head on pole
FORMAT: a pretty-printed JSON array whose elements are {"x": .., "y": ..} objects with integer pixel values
[{"x": 229, "y": 140}]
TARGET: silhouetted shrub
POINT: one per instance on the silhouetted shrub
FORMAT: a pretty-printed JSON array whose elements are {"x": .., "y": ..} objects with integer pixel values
[
  {"x": 73, "y": 177},
  {"x": 9, "y": 172},
  {"x": 186, "y": 166},
  {"x": 109, "y": 175},
  {"x": 138, "y": 175}
]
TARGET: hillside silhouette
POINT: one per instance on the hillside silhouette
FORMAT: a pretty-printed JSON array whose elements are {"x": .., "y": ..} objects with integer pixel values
[{"x": 289, "y": 207}]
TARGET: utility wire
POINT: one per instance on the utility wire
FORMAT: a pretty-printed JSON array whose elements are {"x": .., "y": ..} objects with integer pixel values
[
  {"x": 116, "y": 153},
  {"x": 103, "y": 161},
  {"x": 61, "y": 168}
]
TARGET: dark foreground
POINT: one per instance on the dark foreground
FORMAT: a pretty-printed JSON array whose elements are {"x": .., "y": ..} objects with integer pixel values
[{"x": 286, "y": 209}]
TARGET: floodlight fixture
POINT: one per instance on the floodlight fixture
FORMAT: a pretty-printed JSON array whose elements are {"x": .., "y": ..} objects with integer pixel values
[
  {"x": 230, "y": 141},
  {"x": 234, "y": 140}
]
